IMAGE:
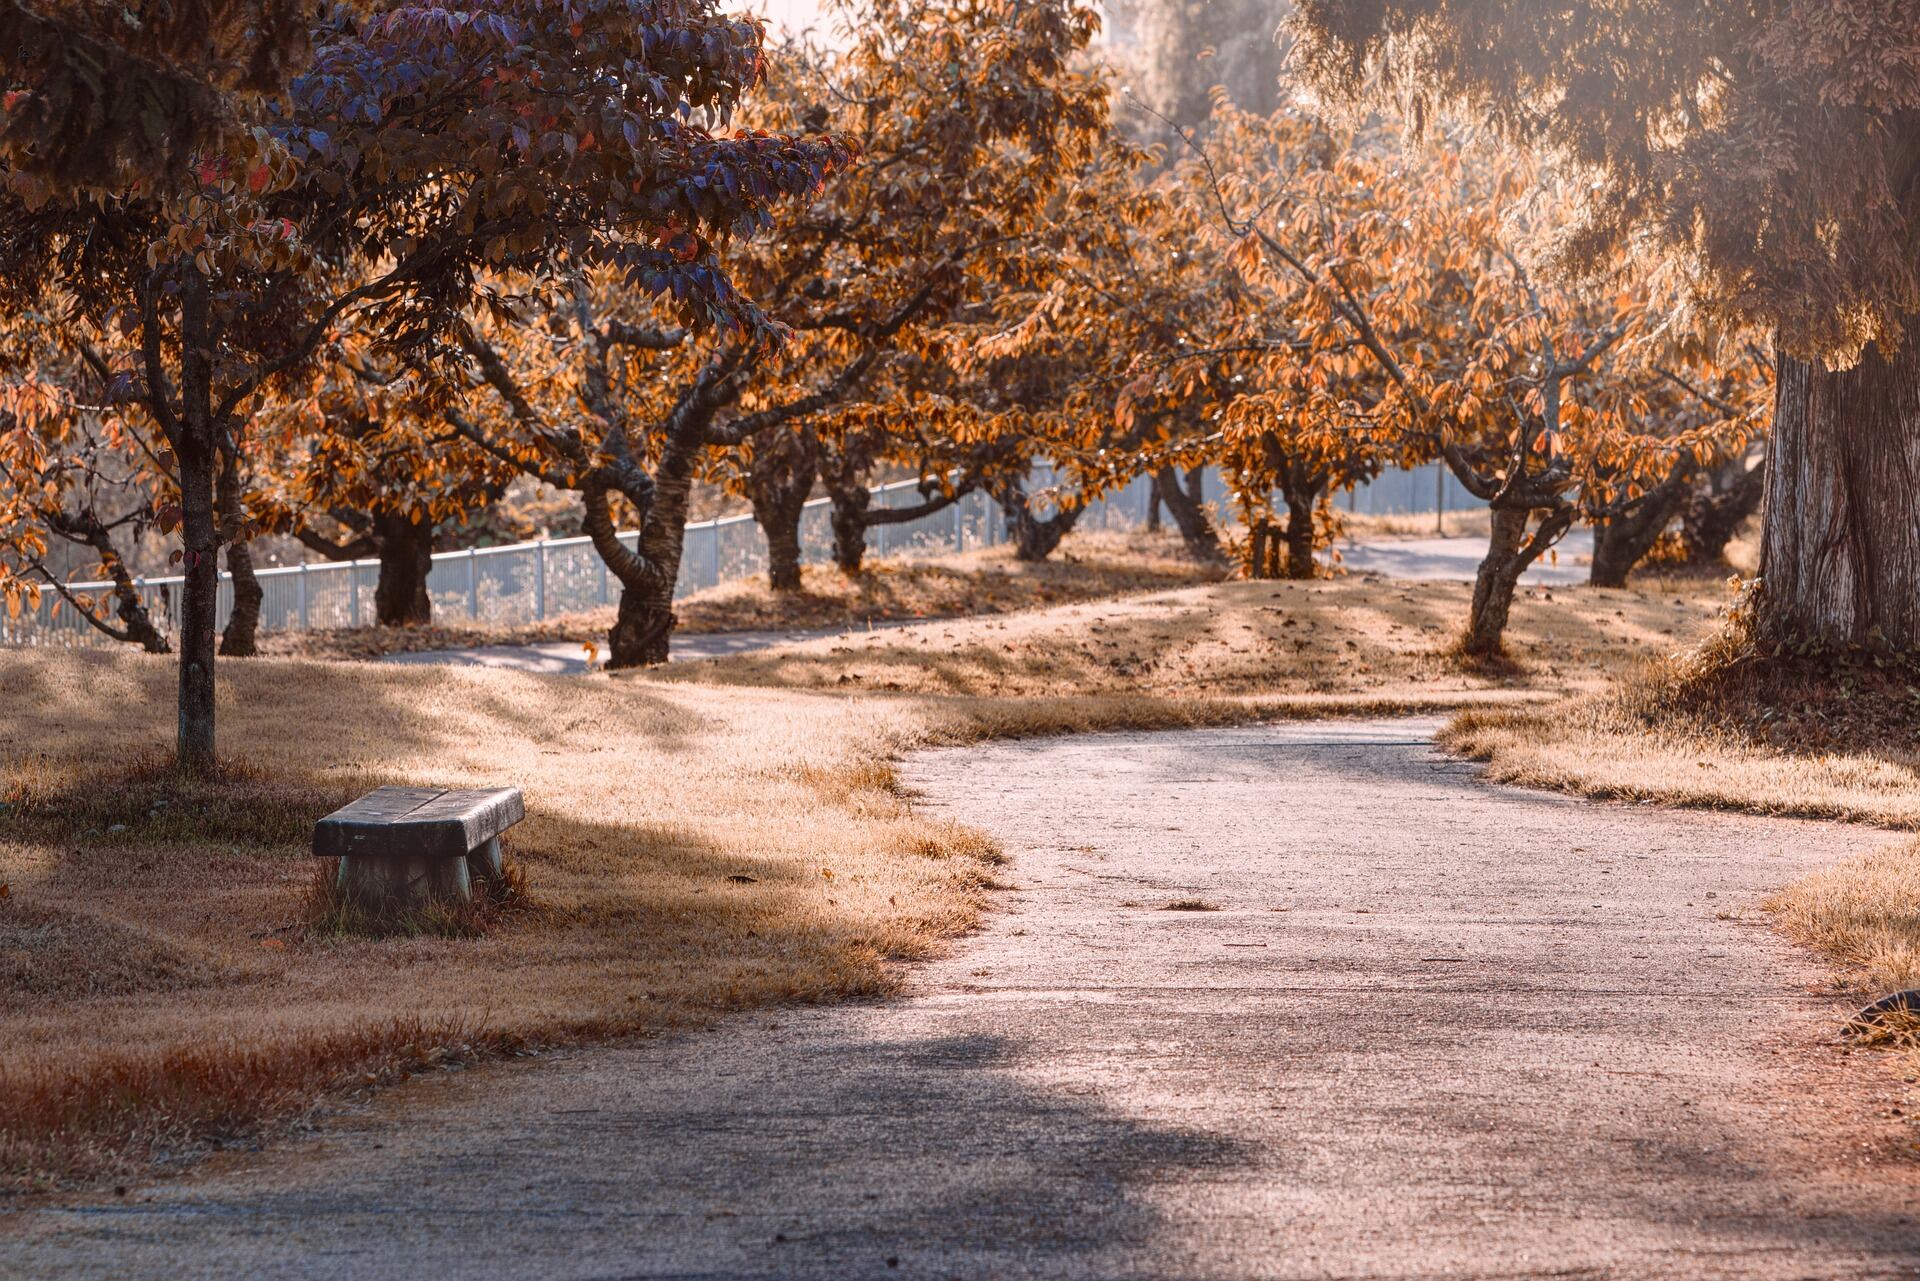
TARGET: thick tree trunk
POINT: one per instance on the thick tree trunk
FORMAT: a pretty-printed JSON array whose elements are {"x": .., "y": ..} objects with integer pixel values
[
  {"x": 400, "y": 596},
  {"x": 1033, "y": 538},
  {"x": 849, "y": 520},
  {"x": 1623, "y": 541},
  {"x": 642, "y": 632},
  {"x": 778, "y": 484},
  {"x": 1840, "y": 551},
  {"x": 1715, "y": 510},
  {"x": 1302, "y": 490},
  {"x": 1189, "y": 515},
  {"x": 1509, "y": 552}
]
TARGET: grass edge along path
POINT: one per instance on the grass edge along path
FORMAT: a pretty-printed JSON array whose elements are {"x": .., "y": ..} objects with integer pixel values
[{"x": 1720, "y": 728}]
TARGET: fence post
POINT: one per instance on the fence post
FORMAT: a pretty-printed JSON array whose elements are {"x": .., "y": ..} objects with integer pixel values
[
  {"x": 713, "y": 552},
  {"x": 960, "y": 525},
  {"x": 473, "y": 582},
  {"x": 602, "y": 560},
  {"x": 353, "y": 591},
  {"x": 303, "y": 595},
  {"x": 540, "y": 581}
]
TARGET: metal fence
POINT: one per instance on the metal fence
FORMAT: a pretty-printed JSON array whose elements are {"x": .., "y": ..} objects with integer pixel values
[{"x": 531, "y": 582}]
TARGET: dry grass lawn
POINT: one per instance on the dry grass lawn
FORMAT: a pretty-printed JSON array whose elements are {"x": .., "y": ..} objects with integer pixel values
[
  {"x": 1352, "y": 638},
  {"x": 697, "y": 842},
  {"x": 987, "y": 580}
]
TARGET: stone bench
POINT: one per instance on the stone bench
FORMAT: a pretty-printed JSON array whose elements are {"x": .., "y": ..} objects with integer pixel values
[{"x": 411, "y": 845}]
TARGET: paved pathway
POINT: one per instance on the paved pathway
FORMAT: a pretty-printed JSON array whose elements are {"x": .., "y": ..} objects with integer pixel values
[{"x": 1435, "y": 1030}]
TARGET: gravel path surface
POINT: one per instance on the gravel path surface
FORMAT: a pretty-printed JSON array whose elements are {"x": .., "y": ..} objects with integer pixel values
[{"x": 1435, "y": 1030}]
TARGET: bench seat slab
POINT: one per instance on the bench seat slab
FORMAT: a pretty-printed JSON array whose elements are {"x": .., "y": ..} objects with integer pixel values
[{"x": 406, "y": 823}]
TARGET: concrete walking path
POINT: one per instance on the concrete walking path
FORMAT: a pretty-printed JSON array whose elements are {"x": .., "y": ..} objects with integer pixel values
[{"x": 1435, "y": 1029}]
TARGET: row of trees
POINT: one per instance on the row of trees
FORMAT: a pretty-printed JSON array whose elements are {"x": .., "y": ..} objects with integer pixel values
[{"x": 386, "y": 263}]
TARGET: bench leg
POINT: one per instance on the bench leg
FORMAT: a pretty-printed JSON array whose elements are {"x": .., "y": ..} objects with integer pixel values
[
  {"x": 381, "y": 883},
  {"x": 486, "y": 863}
]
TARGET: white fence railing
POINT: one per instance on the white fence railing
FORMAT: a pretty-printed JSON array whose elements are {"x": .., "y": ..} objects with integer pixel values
[{"x": 531, "y": 582}]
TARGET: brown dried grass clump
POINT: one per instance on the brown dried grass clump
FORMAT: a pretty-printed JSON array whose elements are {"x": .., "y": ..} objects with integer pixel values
[
  {"x": 1720, "y": 726},
  {"x": 331, "y": 912},
  {"x": 180, "y": 1098}
]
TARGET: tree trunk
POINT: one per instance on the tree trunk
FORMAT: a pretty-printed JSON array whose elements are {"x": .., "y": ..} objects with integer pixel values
[
  {"x": 1509, "y": 552},
  {"x": 239, "y": 638},
  {"x": 135, "y": 621},
  {"x": 1302, "y": 490},
  {"x": 1190, "y": 516},
  {"x": 199, "y": 599},
  {"x": 849, "y": 519},
  {"x": 400, "y": 596},
  {"x": 1622, "y": 541},
  {"x": 1715, "y": 510},
  {"x": 1840, "y": 551},
  {"x": 199, "y": 532},
  {"x": 1033, "y": 538},
  {"x": 1300, "y": 562},
  {"x": 1153, "y": 508},
  {"x": 642, "y": 631},
  {"x": 778, "y": 484}
]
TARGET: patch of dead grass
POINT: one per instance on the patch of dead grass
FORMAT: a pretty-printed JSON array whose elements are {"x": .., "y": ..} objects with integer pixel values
[
  {"x": 986, "y": 580},
  {"x": 1863, "y": 913},
  {"x": 644, "y": 800},
  {"x": 1356, "y": 638}
]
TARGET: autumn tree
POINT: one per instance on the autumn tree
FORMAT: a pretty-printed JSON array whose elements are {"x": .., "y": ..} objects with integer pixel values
[
  {"x": 957, "y": 113},
  {"x": 976, "y": 123},
  {"x": 415, "y": 144},
  {"x": 74, "y": 479},
  {"x": 1683, "y": 392},
  {"x": 377, "y": 477},
  {"x": 1401, "y": 321},
  {"x": 1770, "y": 152}
]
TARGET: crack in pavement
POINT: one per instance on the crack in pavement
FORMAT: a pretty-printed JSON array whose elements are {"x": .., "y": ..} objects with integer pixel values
[{"x": 1094, "y": 1088}]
